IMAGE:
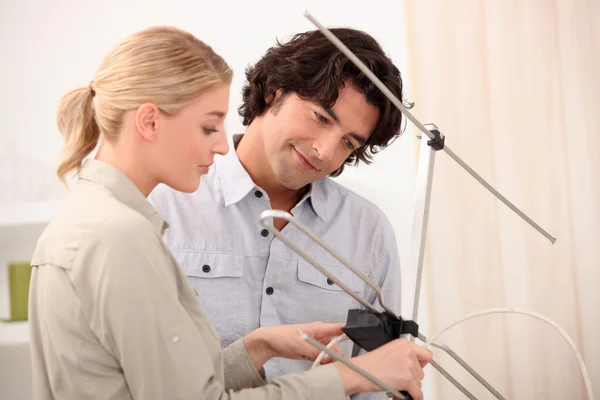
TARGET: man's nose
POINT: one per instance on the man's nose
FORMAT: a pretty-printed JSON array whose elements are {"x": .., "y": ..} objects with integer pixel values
[{"x": 325, "y": 146}]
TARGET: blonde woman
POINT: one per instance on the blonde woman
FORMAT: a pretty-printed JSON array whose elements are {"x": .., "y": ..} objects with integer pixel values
[{"x": 112, "y": 315}]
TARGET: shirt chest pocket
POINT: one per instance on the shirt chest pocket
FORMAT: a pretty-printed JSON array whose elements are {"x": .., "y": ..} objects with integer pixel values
[
  {"x": 218, "y": 280},
  {"x": 310, "y": 275}
]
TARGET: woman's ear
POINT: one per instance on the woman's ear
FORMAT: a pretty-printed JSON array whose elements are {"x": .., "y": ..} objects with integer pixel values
[{"x": 147, "y": 118}]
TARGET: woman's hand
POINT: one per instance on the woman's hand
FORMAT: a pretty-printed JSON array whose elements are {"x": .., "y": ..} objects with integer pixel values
[
  {"x": 284, "y": 341},
  {"x": 398, "y": 363}
]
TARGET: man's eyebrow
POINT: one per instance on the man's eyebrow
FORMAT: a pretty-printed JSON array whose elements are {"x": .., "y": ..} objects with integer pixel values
[
  {"x": 359, "y": 138},
  {"x": 332, "y": 113}
]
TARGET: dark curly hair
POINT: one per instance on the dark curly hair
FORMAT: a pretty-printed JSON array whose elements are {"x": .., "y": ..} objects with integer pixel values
[{"x": 313, "y": 68}]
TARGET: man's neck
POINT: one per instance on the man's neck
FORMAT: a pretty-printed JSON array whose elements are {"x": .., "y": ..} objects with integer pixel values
[{"x": 251, "y": 153}]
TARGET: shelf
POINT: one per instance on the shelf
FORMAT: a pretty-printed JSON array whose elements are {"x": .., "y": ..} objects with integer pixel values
[
  {"x": 21, "y": 224},
  {"x": 12, "y": 333},
  {"x": 34, "y": 213}
]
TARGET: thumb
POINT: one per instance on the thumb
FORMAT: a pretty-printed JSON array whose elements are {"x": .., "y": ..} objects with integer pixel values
[{"x": 423, "y": 355}]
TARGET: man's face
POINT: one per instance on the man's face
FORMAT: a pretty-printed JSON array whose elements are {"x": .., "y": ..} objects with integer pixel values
[{"x": 305, "y": 142}]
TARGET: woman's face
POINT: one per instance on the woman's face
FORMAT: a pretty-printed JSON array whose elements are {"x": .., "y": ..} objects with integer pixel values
[{"x": 191, "y": 138}]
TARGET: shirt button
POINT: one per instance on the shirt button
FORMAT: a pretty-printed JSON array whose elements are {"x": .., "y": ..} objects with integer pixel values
[
  {"x": 258, "y": 194},
  {"x": 329, "y": 281},
  {"x": 264, "y": 232},
  {"x": 206, "y": 268},
  {"x": 270, "y": 290},
  {"x": 175, "y": 339}
]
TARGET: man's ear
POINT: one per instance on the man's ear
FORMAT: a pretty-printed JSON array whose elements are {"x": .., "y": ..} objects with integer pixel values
[
  {"x": 272, "y": 98},
  {"x": 147, "y": 119},
  {"x": 277, "y": 100}
]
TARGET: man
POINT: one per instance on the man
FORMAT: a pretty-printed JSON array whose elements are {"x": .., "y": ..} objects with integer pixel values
[{"x": 308, "y": 112}]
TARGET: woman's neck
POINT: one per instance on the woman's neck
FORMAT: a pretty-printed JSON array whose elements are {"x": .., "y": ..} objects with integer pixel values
[{"x": 121, "y": 159}]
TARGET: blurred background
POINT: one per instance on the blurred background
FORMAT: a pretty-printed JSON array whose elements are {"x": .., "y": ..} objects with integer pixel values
[{"x": 514, "y": 87}]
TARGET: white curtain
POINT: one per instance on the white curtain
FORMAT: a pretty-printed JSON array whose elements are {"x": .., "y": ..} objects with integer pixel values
[{"x": 515, "y": 87}]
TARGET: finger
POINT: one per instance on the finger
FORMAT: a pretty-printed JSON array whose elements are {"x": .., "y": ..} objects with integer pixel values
[
  {"x": 418, "y": 371},
  {"x": 327, "y": 358},
  {"x": 415, "y": 370},
  {"x": 414, "y": 390},
  {"x": 315, "y": 353},
  {"x": 303, "y": 351},
  {"x": 337, "y": 349},
  {"x": 424, "y": 355},
  {"x": 327, "y": 331}
]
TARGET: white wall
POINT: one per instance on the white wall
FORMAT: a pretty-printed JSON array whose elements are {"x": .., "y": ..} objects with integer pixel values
[{"x": 49, "y": 47}]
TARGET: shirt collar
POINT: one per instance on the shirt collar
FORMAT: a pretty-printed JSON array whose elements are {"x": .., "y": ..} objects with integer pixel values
[
  {"x": 122, "y": 188},
  {"x": 236, "y": 183},
  {"x": 317, "y": 197}
]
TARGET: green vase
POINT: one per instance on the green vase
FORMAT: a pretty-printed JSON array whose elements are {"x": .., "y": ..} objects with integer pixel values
[{"x": 19, "y": 274}]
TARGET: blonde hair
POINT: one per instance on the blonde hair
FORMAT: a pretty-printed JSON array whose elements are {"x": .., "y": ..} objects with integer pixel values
[{"x": 162, "y": 65}]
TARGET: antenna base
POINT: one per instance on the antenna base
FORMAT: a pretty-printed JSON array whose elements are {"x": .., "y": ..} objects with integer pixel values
[{"x": 370, "y": 330}]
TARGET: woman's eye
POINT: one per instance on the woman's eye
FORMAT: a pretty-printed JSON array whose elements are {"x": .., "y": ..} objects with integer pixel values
[{"x": 208, "y": 131}]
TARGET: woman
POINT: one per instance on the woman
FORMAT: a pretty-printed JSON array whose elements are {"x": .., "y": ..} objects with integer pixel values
[{"x": 112, "y": 315}]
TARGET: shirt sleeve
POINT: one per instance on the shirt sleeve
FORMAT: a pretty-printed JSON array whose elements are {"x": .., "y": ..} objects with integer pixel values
[
  {"x": 132, "y": 300},
  {"x": 239, "y": 369},
  {"x": 320, "y": 383}
]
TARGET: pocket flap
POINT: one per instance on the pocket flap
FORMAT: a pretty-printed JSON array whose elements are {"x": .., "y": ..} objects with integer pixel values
[
  {"x": 307, "y": 273},
  {"x": 211, "y": 265}
]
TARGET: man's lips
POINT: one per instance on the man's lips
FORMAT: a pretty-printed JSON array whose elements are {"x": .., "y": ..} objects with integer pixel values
[{"x": 305, "y": 161}]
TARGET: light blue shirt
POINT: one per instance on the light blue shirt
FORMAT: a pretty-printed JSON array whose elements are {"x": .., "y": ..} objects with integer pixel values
[{"x": 246, "y": 278}]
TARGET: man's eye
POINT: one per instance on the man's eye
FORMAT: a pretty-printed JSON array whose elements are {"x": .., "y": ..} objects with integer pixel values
[
  {"x": 349, "y": 144},
  {"x": 321, "y": 118}
]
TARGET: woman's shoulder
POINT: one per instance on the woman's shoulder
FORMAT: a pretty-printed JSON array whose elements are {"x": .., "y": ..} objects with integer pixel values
[{"x": 84, "y": 226}]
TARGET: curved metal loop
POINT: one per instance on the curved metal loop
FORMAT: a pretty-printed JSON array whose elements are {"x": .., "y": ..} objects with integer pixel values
[{"x": 290, "y": 218}]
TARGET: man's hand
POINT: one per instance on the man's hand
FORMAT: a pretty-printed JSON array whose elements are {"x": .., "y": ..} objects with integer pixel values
[{"x": 284, "y": 341}]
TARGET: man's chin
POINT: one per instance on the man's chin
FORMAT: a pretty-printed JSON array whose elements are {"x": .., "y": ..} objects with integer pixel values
[
  {"x": 296, "y": 185},
  {"x": 294, "y": 182}
]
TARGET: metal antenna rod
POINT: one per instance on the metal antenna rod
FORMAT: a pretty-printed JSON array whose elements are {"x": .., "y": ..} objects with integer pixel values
[
  {"x": 268, "y": 214},
  {"x": 360, "y": 65}
]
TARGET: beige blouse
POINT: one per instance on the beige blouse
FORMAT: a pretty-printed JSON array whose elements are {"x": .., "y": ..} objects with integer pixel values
[{"x": 112, "y": 316}]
